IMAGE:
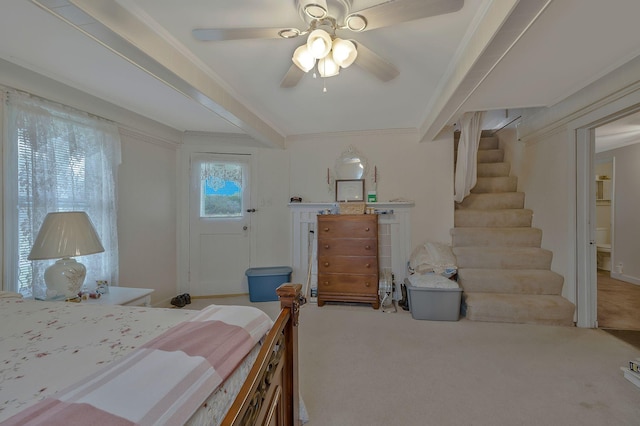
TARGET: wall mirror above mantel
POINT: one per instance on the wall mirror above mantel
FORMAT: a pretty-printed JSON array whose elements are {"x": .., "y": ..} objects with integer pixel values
[{"x": 351, "y": 165}]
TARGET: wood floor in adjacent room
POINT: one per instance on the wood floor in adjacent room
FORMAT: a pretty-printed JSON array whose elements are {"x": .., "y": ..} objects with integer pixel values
[{"x": 619, "y": 308}]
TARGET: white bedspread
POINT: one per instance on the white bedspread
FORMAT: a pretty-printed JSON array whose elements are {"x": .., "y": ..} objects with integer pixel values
[{"x": 48, "y": 346}]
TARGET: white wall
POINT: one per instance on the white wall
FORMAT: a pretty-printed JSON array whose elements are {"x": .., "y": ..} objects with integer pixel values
[
  {"x": 417, "y": 171},
  {"x": 147, "y": 216}
]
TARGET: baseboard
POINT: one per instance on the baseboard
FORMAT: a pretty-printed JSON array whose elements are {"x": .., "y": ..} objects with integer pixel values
[{"x": 625, "y": 278}]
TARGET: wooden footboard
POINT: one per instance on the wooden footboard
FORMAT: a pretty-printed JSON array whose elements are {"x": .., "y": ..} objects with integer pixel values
[{"x": 270, "y": 395}]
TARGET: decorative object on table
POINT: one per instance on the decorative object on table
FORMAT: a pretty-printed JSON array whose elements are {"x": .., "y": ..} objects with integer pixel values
[
  {"x": 102, "y": 286},
  {"x": 350, "y": 190},
  {"x": 352, "y": 208},
  {"x": 61, "y": 236}
]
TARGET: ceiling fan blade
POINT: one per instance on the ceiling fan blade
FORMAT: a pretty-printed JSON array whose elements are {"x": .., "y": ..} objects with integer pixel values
[
  {"x": 397, "y": 11},
  {"x": 375, "y": 64},
  {"x": 222, "y": 34},
  {"x": 292, "y": 77}
]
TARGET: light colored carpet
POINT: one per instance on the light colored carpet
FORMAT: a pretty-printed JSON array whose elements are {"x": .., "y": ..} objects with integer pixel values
[{"x": 359, "y": 366}]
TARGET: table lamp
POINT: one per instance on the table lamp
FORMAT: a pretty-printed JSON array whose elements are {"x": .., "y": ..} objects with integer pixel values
[{"x": 61, "y": 236}]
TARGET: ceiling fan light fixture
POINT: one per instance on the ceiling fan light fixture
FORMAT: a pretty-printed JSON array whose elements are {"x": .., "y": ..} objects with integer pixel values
[
  {"x": 327, "y": 67},
  {"x": 356, "y": 22},
  {"x": 303, "y": 58},
  {"x": 344, "y": 52},
  {"x": 319, "y": 43},
  {"x": 316, "y": 9}
]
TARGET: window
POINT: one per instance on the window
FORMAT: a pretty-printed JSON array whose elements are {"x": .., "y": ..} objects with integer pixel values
[
  {"x": 221, "y": 190},
  {"x": 58, "y": 159}
]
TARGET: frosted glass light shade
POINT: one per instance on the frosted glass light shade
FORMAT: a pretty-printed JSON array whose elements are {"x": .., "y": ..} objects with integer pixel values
[
  {"x": 327, "y": 67},
  {"x": 344, "y": 52},
  {"x": 319, "y": 43},
  {"x": 61, "y": 236},
  {"x": 303, "y": 58}
]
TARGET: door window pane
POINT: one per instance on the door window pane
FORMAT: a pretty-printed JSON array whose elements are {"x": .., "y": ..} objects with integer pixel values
[{"x": 221, "y": 190}]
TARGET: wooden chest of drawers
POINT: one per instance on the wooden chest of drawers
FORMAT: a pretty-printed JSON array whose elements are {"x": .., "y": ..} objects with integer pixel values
[{"x": 348, "y": 259}]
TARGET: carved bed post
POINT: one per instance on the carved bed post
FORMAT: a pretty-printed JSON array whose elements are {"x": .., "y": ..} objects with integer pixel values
[{"x": 290, "y": 297}]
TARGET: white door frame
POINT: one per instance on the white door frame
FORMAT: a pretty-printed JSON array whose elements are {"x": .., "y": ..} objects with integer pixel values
[
  {"x": 582, "y": 137},
  {"x": 184, "y": 175}
]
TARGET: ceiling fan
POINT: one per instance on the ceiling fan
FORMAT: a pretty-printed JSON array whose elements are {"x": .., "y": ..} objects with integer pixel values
[{"x": 324, "y": 50}]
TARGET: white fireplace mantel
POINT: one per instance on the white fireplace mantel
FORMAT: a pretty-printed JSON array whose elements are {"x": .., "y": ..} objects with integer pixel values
[{"x": 394, "y": 239}]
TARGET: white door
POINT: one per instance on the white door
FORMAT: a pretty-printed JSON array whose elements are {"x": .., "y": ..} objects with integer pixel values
[{"x": 219, "y": 223}]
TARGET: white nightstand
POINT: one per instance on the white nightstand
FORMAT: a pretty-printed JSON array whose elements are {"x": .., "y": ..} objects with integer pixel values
[{"x": 124, "y": 296}]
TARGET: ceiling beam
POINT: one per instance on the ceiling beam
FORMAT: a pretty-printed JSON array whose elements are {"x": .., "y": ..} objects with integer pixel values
[
  {"x": 125, "y": 34},
  {"x": 500, "y": 27}
]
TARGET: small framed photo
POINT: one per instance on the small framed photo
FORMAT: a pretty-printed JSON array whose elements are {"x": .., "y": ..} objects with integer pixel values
[{"x": 350, "y": 190}]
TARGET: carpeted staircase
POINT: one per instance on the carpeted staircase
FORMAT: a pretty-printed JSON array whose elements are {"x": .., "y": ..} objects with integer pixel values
[{"x": 505, "y": 274}]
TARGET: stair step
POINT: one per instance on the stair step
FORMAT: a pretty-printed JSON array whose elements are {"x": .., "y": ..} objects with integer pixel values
[
  {"x": 490, "y": 156},
  {"x": 516, "y": 308},
  {"x": 493, "y": 201},
  {"x": 495, "y": 184},
  {"x": 503, "y": 257},
  {"x": 494, "y": 169},
  {"x": 503, "y": 218},
  {"x": 486, "y": 142},
  {"x": 496, "y": 237},
  {"x": 519, "y": 281}
]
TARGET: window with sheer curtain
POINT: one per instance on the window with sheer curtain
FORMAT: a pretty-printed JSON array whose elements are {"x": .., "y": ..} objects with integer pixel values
[{"x": 57, "y": 159}]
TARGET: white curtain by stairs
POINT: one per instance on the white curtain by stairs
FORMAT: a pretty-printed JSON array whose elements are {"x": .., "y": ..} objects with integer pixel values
[{"x": 466, "y": 166}]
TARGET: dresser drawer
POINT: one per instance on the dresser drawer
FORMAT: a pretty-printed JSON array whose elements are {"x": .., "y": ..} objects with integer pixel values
[
  {"x": 345, "y": 226},
  {"x": 348, "y": 284},
  {"x": 347, "y": 246},
  {"x": 349, "y": 264}
]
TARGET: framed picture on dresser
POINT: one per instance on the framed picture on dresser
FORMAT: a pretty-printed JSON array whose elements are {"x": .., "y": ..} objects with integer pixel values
[{"x": 350, "y": 190}]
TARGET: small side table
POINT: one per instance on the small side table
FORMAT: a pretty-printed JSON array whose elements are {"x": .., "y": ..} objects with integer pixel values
[{"x": 125, "y": 296}]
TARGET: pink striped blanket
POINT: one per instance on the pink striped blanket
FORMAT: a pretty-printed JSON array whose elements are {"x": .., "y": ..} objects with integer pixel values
[{"x": 164, "y": 381}]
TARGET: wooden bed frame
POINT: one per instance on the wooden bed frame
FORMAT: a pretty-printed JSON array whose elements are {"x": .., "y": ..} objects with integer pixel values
[{"x": 270, "y": 395}]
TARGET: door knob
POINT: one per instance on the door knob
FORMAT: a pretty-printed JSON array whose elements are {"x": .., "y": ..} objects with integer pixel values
[
  {"x": 244, "y": 228},
  {"x": 251, "y": 210}
]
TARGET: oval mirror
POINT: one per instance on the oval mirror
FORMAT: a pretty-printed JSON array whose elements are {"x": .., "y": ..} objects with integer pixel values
[{"x": 351, "y": 165}]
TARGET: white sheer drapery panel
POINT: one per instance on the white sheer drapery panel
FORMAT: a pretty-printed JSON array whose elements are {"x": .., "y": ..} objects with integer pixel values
[
  {"x": 466, "y": 166},
  {"x": 62, "y": 160}
]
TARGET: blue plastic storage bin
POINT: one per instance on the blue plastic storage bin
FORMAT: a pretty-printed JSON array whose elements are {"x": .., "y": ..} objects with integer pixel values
[{"x": 263, "y": 282}]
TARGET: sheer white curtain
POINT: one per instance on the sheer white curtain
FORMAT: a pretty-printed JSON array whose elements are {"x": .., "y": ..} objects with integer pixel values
[
  {"x": 59, "y": 159},
  {"x": 466, "y": 166}
]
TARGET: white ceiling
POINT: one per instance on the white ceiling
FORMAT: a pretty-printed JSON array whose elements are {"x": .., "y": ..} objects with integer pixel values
[{"x": 489, "y": 55}]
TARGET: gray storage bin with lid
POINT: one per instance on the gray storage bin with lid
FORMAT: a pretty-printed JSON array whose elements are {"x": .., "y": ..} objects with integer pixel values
[{"x": 433, "y": 297}]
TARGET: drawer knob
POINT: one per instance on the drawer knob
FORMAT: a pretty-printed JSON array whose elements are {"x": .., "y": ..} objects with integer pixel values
[
  {"x": 326, "y": 229},
  {"x": 367, "y": 229},
  {"x": 367, "y": 247},
  {"x": 326, "y": 263},
  {"x": 326, "y": 283},
  {"x": 367, "y": 284},
  {"x": 326, "y": 246},
  {"x": 368, "y": 265}
]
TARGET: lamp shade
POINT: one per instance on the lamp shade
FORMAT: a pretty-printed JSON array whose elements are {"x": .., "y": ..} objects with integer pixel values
[
  {"x": 319, "y": 43},
  {"x": 327, "y": 67},
  {"x": 65, "y": 234},
  {"x": 344, "y": 52},
  {"x": 303, "y": 58},
  {"x": 62, "y": 235}
]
